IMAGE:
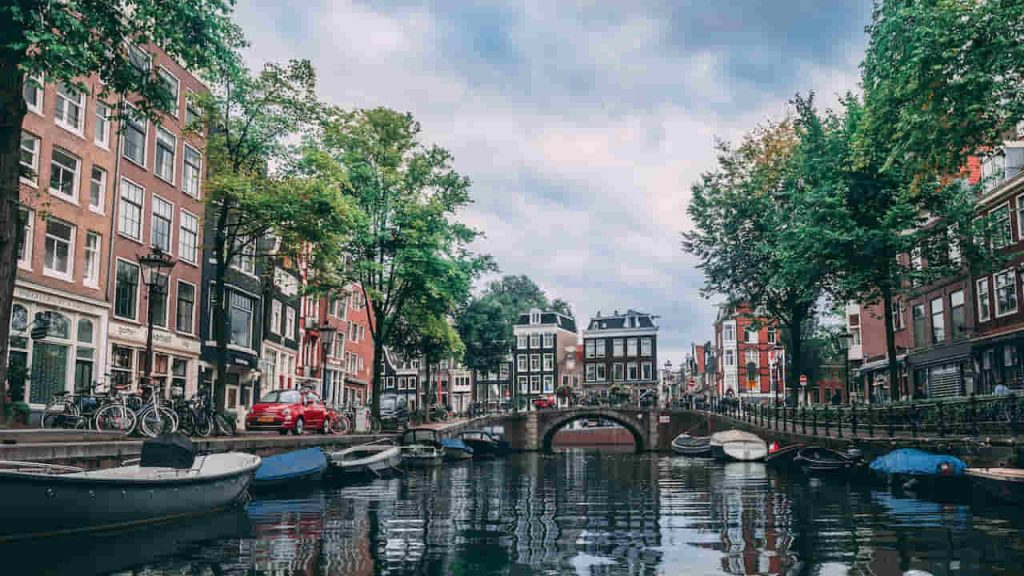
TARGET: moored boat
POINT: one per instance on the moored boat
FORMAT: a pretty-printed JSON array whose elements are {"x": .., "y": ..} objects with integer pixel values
[
  {"x": 373, "y": 458},
  {"x": 484, "y": 444},
  {"x": 456, "y": 449},
  {"x": 45, "y": 499},
  {"x": 782, "y": 455},
  {"x": 738, "y": 445},
  {"x": 820, "y": 460},
  {"x": 421, "y": 447},
  {"x": 1003, "y": 483},
  {"x": 921, "y": 471},
  {"x": 686, "y": 445},
  {"x": 290, "y": 469}
]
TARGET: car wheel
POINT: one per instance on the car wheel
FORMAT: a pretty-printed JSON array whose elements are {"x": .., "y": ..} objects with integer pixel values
[{"x": 300, "y": 426}]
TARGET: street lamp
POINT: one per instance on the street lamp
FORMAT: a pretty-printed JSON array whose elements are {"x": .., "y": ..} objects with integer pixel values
[
  {"x": 327, "y": 333},
  {"x": 155, "y": 267},
  {"x": 777, "y": 369},
  {"x": 845, "y": 339},
  {"x": 668, "y": 381}
]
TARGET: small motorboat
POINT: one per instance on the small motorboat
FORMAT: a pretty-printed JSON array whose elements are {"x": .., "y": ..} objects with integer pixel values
[
  {"x": 376, "y": 458},
  {"x": 1003, "y": 483},
  {"x": 782, "y": 455},
  {"x": 820, "y": 460},
  {"x": 456, "y": 449},
  {"x": 737, "y": 445},
  {"x": 484, "y": 444},
  {"x": 421, "y": 447},
  {"x": 918, "y": 470},
  {"x": 686, "y": 445},
  {"x": 290, "y": 469},
  {"x": 168, "y": 481}
]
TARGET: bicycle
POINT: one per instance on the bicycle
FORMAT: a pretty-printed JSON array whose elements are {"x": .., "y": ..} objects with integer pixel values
[
  {"x": 154, "y": 417},
  {"x": 114, "y": 415},
  {"x": 192, "y": 417}
]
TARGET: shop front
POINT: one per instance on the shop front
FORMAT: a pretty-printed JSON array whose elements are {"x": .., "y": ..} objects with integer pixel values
[
  {"x": 943, "y": 373},
  {"x": 175, "y": 370},
  {"x": 874, "y": 376},
  {"x": 998, "y": 361}
]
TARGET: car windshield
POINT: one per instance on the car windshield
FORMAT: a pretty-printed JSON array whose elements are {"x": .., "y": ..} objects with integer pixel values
[
  {"x": 388, "y": 402},
  {"x": 281, "y": 397}
]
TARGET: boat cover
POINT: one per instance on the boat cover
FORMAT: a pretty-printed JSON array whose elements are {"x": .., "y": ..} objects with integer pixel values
[
  {"x": 915, "y": 462},
  {"x": 291, "y": 465},
  {"x": 735, "y": 436},
  {"x": 173, "y": 450},
  {"x": 457, "y": 444}
]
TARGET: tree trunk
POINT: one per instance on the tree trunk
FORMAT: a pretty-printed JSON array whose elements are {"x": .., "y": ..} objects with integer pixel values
[
  {"x": 890, "y": 346},
  {"x": 220, "y": 334},
  {"x": 12, "y": 112},
  {"x": 378, "y": 373},
  {"x": 795, "y": 352}
]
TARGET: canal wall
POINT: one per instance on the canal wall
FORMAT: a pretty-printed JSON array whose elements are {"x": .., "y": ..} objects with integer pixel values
[{"x": 606, "y": 436}]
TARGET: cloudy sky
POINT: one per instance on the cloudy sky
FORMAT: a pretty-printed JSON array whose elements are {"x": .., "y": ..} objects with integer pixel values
[{"x": 582, "y": 124}]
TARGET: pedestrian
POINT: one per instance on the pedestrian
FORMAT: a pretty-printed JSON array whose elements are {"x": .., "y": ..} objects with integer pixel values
[{"x": 837, "y": 398}]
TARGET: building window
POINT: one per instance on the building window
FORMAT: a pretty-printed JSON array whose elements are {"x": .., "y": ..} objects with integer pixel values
[
  {"x": 241, "y": 320},
  {"x": 521, "y": 363},
  {"x": 97, "y": 188},
  {"x": 917, "y": 311},
  {"x": 1003, "y": 234},
  {"x": 160, "y": 293},
  {"x": 617, "y": 348},
  {"x": 750, "y": 335},
  {"x": 549, "y": 362},
  {"x": 956, "y": 314},
  {"x": 289, "y": 326},
  {"x": 534, "y": 317},
  {"x": 534, "y": 384},
  {"x": 938, "y": 321},
  {"x": 631, "y": 373},
  {"x": 245, "y": 257},
  {"x": 32, "y": 90},
  {"x": 185, "y": 308},
  {"x": 601, "y": 373},
  {"x": 647, "y": 371},
  {"x": 549, "y": 384},
  {"x": 524, "y": 384},
  {"x": 534, "y": 340},
  {"x": 172, "y": 85},
  {"x": 730, "y": 358},
  {"x": 126, "y": 290},
  {"x": 618, "y": 371},
  {"x": 646, "y": 347},
  {"x": 534, "y": 362},
  {"x": 140, "y": 59},
  {"x": 129, "y": 212},
  {"x": 64, "y": 170},
  {"x": 166, "y": 146},
  {"x": 751, "y": 357},
  {"x": 591, "y": 372},
  {"x": 600, "y": 348},
  {"x": 29, "y": 159},
  {"x": 188, "y": 237},
  {"x": 70, "y": 103},
  {"x": 729, "y": 332},
  {"x": 135, "y": 127},
  {"x": 191, "y": 171},
  {"x": 984, "y": 307},
  {"x": 588, "y": 348},
  {"x": 27, "y": 218},
  {"x": 60, "y": 242},
  {"x": 549, "y": 340},
  {"x": 160, "y": 228},
  {"x": 91, "y": 274},
  {"x": 101, "y": 126},
  {"x": 522, "y": 341},
  {"x": 275, "y": 317},
  {"x": 772, "y": 337},
  {"x": 122, "y": 360},
  {"x": 1006, "y": 293},
  {"x": 631, "y": 348}
]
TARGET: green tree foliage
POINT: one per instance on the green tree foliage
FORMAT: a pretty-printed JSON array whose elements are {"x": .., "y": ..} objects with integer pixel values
[
  {"x": 409, "y": 252},
  {"x": 486, "y": 333},
  {"x": 69, "y": 41}
]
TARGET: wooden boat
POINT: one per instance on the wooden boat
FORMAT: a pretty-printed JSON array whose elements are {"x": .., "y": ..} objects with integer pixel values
[
  {"x": 738, "y": 445},
  {"x": 377, "y": 458},
  {"x": 686, "y": 445},
  {"x": 1003, "y": 483},
  {"x": 421, "y": 447},
  {"x": 290, "y": 469},
  {"x": 455, "y": 449},
  {"x": 484, "y": 444},
  {"x": 819, "y": 460},
  {"x": 45, "y": 499},
  {"x": 783, "y": 455}
]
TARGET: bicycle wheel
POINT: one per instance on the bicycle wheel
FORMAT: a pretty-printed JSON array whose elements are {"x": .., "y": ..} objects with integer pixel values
[
  {"x": 59, "y": 414},
  {"x": 186, "y": 423},
  {"x": 375, "y": 425},
  {"x": 342, "y": 425},
  {"x": 203, "y": 424},
  {"x": 115, "y": 418},
  {"x": 222, "y": 425},
  {"x": 153, "y": 422}
]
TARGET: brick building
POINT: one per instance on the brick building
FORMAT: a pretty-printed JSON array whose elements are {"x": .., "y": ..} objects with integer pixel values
[
  {"x": 540, "y": 349},
  {"x": 749, "y": 355},
  {"x": 621, "y": 350}
]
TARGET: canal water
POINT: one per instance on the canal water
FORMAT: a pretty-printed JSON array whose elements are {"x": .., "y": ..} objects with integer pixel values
[{"x": 567, "y": 513}]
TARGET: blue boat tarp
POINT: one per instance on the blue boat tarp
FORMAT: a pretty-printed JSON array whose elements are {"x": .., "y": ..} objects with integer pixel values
[
  {"x": 913, "y": 462},
  {"x": 457, "y": 444},
  {"x": 294, "y": 464}
]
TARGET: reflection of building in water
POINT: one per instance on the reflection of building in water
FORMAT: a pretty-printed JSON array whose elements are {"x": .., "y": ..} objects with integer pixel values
[
  {"x": 755, "y": 536},
  {"x": 287, "y": 535}
]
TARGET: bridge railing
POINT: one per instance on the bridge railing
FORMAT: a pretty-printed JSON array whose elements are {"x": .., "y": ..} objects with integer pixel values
[{"x": 969, "y": 416}]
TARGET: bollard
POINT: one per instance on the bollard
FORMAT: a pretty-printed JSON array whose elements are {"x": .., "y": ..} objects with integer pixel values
[
  {"x": 803, "y": 419},
  {"x": 892, "y": 431},
  {"x": 853, "y": 420}
]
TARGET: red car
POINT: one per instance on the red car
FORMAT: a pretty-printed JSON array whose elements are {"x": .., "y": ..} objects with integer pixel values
[
  {"x": 290, "y": 410},
  {"x": 543, "y": 402}
]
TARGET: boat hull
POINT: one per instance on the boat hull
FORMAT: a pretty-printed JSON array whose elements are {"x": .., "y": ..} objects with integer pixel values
[
  {"x": 457, "y": 454},
  {"x": 380, "y": 463},
  {"x": 482, "y": 448},
  {"x": 998, "y": 485},
  {"x": 295, "y": 469},
  {"x": 422, "y": 460},
  {"x": 35, "y": 505},
  {"x": 691, "y": 446},
  {"x": 814, "y": 460}
]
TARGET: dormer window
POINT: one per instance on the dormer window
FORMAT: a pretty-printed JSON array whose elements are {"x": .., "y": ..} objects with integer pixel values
[{"x": 535, "y": 317}]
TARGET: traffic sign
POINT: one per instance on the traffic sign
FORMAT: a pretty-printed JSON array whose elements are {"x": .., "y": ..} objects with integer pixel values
[{"x": 803, "y": 380}]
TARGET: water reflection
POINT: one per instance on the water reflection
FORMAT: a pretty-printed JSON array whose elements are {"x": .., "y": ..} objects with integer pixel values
[{"x": 567, "y": 513}]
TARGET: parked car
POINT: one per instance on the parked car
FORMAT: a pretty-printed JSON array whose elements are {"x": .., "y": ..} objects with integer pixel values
[
  {"x": 544, "y": 402},
  {"x": 394, "y": 411},
  {"x": 290, "y": 411}
]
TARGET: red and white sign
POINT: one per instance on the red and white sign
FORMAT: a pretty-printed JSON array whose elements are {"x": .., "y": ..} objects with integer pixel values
[{"x": 803, "y": 380}]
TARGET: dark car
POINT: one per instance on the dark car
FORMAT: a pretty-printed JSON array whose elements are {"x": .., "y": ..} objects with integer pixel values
[
  {"x": 394, "y": 411},
  {"x": 289, "y": 410}
]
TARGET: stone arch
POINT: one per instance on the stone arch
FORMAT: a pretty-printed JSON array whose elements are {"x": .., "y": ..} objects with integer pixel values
[{"x": 637, "y": 429}]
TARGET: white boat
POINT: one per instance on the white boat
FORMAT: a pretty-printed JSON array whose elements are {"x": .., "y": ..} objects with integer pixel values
[
  {"x": 44, "y": 499},
  {"x": 374, "y": 458},
  {"x": 739, "y": 446},
  {"x": 421, "y": 447}
]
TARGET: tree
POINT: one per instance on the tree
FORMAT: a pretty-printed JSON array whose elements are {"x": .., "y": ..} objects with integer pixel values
[
  {"x": 64, "y": 42},
  {"x": 408, "y": 250},
  {"x": 516, "y": 295},
  {"x": 485, "y": 333},
  {"x": 562, "y": 307}
]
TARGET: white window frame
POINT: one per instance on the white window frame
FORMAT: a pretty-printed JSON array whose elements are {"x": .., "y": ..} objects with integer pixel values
[
  {"x": 76, "y": 178},
  {"x": 37, "y": 107},
  {"x": 120, "y": 209},
  {"x": 534, "y": 340},
  {"x": 522, "y": 363},
  {"x": 548, "y": 362},
  {"x": 275, "y": 317},
  {"x": 602, "y": 372},
  {"x": 104, "y": 182},
  {"x": 632, "y": 347},
  {"x": 91, "y": 270},
  {"x": 69, "y": 274},
  {"x": 634, "y": 368},
  {"x": 199, "y": 171},
  {"x": 751, "y": 335},
  {"x": 549, "y": 340},
  {"x": 589, "y": 349},
  {"x": 522, "y": 342},
  {"x": 289, "y": 320},
  {"x": 535, "y": 384},
  {"x": 160, "y": 146},
  {"x": 126, "y": 125},
  {"x": 647, "y": 371},
  {"x": 600, "y": 347},
  {"x": 1008, "y": 226},
  {"x": 534, "y": 362},
  {"x": 184, "y": 254},
  {"x": 983, "y": 298},
  {"x": 1012, "y": 285},
  {"x": 162, "y": 203},
  {"x": 590, "y": 373},
  {"x": 101, "y": 138},
  {"x": 647, "y": 346},
  {"x": 524, "y": 384},
  {"x": 163, "y": 74},
  {"x": 63, "y": 102},
  {"x": 37, "y": 152},
  {"x": 548, "y": 384},
  {"x": 618, "y": 348},
  {"x": 195, "y": 305},
  {"x": 30, "y": 223}
]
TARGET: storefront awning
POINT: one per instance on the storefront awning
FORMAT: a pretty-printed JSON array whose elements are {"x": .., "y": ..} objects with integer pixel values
[{"x": 877, "y": 365}]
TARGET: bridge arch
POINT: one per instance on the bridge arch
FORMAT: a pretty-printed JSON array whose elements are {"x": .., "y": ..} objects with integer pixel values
[{"x": 550, "y": 422}]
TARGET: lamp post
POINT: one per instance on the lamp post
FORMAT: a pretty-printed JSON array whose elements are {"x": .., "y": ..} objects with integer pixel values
[
  {"x": 668, "y": 382},
  {"x": 155, "y": 267},
  {"x": 326, "y": 341},
  {"x": 845, "y": 338},
  {"x": 777, "y": 369}
]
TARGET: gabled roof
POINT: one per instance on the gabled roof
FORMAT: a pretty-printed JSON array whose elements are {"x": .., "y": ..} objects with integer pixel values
[{"x": 548, "y": 319}]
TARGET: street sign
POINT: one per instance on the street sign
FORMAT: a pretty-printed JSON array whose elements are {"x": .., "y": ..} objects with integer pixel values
[{"x": 803, "y": 380}]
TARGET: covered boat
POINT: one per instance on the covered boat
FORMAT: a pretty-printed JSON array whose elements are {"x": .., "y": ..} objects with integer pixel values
[
  {"x": 738, "y": 445},
  {"x": 483, "y": 443},
  {"x": 820, "y": 460},
  {"x": 456, "y": 449},
  {"x": 374, "y": 458},
  {"x": 922, "y": 471},
  {"x": 686, "y": 445},
  {"x": 421, "y": 447},
  {"x": 290, "y": 469},
  {"x": 1003, "y": 483},
  {"x": 44, "y": 499}
]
